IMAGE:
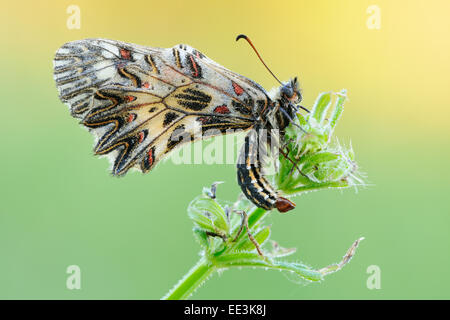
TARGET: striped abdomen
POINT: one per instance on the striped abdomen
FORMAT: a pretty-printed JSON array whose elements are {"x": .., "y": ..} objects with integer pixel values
[{"x": 253, "y": 183}]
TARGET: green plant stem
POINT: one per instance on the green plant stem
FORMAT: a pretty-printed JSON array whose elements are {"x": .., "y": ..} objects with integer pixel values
[
  {"x": 204, "y": 268},
  {"x": 191, "y": 281},
  {"x": 318, "y": 186}
]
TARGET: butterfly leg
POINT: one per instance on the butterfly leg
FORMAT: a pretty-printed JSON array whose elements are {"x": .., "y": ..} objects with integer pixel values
[
  {"x": 294, "y": 165},
  {"x": 244, "y": 224}
]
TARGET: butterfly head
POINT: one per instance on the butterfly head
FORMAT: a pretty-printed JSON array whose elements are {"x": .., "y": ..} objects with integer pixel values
[
  {"x": 290, "y": 92},
  {"x": 287, "y": 97},
  {"x": 285, "y": 105}
]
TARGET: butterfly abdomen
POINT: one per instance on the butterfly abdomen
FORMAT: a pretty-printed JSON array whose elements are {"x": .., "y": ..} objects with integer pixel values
[{"x": 251, "y": 178}]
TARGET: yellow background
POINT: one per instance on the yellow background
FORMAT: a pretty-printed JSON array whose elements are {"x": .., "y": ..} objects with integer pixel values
[{"x": 132, "y": 238}]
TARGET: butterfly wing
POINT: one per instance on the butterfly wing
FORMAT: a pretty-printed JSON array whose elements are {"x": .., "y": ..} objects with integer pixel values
[{"x": 140, "y": 103}]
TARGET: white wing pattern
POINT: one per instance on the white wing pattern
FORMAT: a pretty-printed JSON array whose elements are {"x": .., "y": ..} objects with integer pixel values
[{"x": 141, "y": 102}]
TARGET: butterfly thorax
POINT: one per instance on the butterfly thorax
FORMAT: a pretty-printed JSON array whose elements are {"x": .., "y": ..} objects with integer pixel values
[{"x": 283, "y": 108}]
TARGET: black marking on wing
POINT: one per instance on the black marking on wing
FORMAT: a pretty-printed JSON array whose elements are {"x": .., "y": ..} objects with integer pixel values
[
  {"x": 178, "y": 136},
  {"x": 198, "y": 54},
  {"x": 240, "y": 108},
  {"x": 193, "y": 99},
  {"x": 148, "y": 160},
  {"x": 176, "y": 55},
  {"x": 99, "y": 117},
  {"x": 211, "y": 123},
  {"x": 169, "y": 118},
  {"x": 126, "y": 147},
  {"x": 196, "y": 70},
  {"x": 149, "y": 59},
  {"x": 126, "y": 73},
  {"x": 260, "y": 104},
  {"x": 144, "y": 135}
]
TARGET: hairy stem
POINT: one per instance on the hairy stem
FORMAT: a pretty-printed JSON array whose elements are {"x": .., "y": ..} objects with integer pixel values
[
  {"x": 318, "y": 186},
  {"x": 191, "y": 281}
]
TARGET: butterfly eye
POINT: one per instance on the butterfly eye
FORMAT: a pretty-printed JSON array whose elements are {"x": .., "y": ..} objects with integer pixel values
[{"x": 287, "y": 92}]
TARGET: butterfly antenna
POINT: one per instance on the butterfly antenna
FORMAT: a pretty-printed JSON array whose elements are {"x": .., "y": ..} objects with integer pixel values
[{"x": 243, "y": 36}]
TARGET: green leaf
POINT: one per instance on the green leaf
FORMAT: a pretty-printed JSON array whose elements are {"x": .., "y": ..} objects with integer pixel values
[
  {"x": 313, "y": 160},
  {"x": 208, "y": 215},
  {"x": 246, "y": 259},
  {"x": 318, "y": 186},
  {"x": 338, "y": 109},
  {"x": 321, "y": 106},
  {"x": 260, "y": 236},
  {"x": 201, "y": 220}
]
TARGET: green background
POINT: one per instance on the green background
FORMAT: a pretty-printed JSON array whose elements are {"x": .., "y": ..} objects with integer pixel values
[{"x": 131, "y": 236}]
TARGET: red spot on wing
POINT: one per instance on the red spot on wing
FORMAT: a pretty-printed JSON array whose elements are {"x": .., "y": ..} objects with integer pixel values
[
  {"x": 150, "y": 157},
  {"x": 126, "y": 54},
  {"x": 129, "y": 98},
  {"x": 146, "y": 85},
  {"x": 141, "y": 136},
  {"x": 237, "y": 89},
  {"x": 131, "y": 117},
  {"x": 194, "y": 65},
  {"x": 203, "y": 120},
  {"x": 222, "y": 109}
]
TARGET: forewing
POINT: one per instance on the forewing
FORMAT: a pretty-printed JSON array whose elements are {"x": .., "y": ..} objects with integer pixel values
[
  {"x": 245, "y": 96},
  {"x": 140, "y": 103}
]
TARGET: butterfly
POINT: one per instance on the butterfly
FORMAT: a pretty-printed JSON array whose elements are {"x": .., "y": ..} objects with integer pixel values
[{"x": 141, "y": 102}]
